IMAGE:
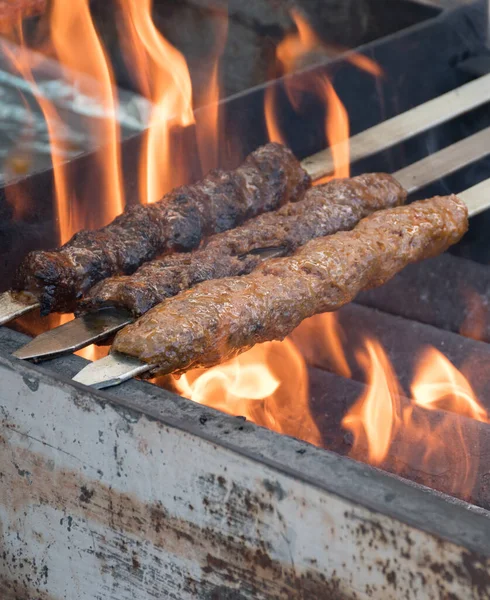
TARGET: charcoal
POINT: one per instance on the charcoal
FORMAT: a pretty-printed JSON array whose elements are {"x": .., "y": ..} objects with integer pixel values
[{"x": 448, "y": 292}]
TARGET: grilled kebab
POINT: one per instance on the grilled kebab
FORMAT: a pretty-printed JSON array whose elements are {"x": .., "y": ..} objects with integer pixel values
[
  {"x": 218, "y": 320},
  {"x": 269, "y": 177},
  {"x": 326, "y": 209}
]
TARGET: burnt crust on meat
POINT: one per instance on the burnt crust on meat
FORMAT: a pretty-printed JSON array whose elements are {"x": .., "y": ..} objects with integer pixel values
[
  {"x": 269, "y": 177},
  {"x": 326, "y": 209},
  {"x": 218, "y": 320}
]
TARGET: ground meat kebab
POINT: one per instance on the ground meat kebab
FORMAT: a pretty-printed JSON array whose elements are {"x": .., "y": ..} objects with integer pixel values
[
  {"x": 217, "y": 320},
  {"x": 269, "y": 177},
  {"x": 326, "y": 209}
]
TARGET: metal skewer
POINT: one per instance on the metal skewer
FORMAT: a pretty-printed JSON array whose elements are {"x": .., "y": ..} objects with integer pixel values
[
  {"x": 380, "y": 137},
  {"x": 117, "y": 368},
  {"x": 113, "y": 369},
  {"x": 11, "y": 308}
]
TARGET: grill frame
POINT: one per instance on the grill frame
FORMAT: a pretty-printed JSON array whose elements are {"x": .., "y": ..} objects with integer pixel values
[
  {"x": 271, "y": 516},
  {"x": 161, "y": 453}
]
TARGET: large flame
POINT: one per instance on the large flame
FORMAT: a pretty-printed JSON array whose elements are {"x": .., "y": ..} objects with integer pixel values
[
  {"x": 80, "y": 51},
  {"x": 375, "y": 416},
  {"x": 268, "y": 385},
  {"x": 289, "y": 54},
  {"x": 164, "y": 79},
  {"x": 417, "y": 435},
  {"x": 76, "y": 45}
]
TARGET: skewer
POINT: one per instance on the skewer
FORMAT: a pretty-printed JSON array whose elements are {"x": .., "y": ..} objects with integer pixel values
[
  {"x": 380, "y": 137},
  {"x": 405, "y": 126},
  {"x": 94, "y": 327},
  {"x": 446, "y": 161},
  {"x": 10, "y": 308}
]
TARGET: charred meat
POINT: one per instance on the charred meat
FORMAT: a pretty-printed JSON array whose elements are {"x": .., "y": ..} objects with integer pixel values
[
  {"x": 269, "y": 177},
  {"x": 218, "y": 320},
  {"x": 336, "y": 206}
]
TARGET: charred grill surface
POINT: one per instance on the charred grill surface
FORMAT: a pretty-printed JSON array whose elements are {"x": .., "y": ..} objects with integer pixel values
[
  {"x": 269, "y": 177},
  {"x": 335, "y": 206},
  {"x": 217, "y": 320}
]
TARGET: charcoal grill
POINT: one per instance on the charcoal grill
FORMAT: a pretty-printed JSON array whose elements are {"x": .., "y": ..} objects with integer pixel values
[{"x": 136, "y": 492}]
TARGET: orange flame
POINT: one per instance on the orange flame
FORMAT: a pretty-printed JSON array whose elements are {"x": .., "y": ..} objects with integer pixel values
[
  {"x": 293, "y": 49},
  {"x": 76, "y": 45},
  {"x": 207, "y": 124},
  {"x": 79, "y": 49},
  {"x": 319, "y": 339},
  {"x": 268, "y": 385},
  {"x": 439, "y": 385},
  {"x": 164, "y": 79},
  {"x": 374, "y": 417},
  {"x": 401, "y": 434}
]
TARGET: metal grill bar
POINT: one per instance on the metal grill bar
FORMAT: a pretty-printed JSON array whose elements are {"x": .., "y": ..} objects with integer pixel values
[
  {"x": 445, "y": 162},
  {"x": 405, "y": 126},
  {"x": 477, "y": 198}
]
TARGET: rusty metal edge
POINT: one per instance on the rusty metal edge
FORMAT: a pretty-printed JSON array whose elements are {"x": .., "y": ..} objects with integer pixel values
[{"x": 439, "y": 515}]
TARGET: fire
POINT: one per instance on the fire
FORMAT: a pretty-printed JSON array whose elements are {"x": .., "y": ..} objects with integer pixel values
[
  {"x": 75, "y": 44},
  {"x": 208, "y": 121},
  {"x": 164, "y": 79},
  {"x": 419, "y": 434},
  {"x": 78, "y": 48},
  {"x": 289, "y": 54},
  {"x": 375, "y": 416},
  {"x": 268, "y": 385},
  {"x": 320, "y": 340},
  {"x": 438, "y": 385}
]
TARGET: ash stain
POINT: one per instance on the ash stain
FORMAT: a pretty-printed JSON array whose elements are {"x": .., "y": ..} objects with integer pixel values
[
  {"x": 222, "y": 553},
  {"x": 135, "y": 561},
  {"x": 31, "y": 382},
  {"x": 478, "y": 572},
  {"x": 224, "y": 556},
  {"x": 86, "y": 495},
  {"x": 22, "y": 472},
  {"x": 44, "y": 573},
  {"x": 274, "y": 488}
]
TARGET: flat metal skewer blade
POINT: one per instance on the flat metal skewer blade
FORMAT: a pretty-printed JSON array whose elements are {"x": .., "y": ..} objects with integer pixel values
[
  {"x": 76, "y": 334},
  {"x": 111, "y": 370},
  {"x": 10, "y": 308},
  {"x": 477, "y": 197},
  {"x": 445, "y": 161}
]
